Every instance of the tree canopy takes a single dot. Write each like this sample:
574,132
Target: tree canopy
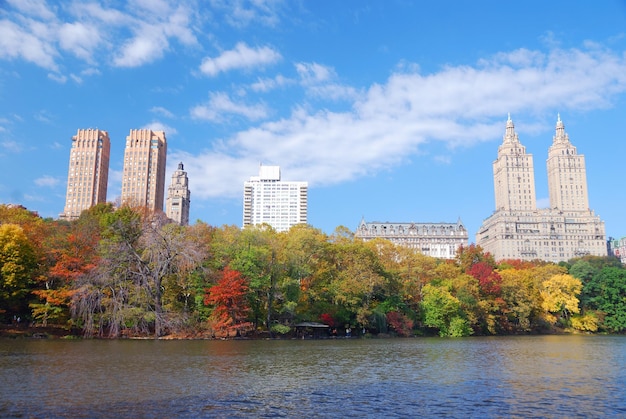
130,272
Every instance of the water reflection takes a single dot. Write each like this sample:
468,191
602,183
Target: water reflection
564,376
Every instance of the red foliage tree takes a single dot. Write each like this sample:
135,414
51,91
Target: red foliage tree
400,323
489,280
327,319
231,308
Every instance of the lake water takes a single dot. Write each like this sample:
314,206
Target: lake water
530,376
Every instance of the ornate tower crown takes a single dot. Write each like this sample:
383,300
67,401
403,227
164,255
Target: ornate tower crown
560,136
510,136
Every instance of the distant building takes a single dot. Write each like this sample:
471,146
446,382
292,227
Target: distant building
178,194
517,229
143,178
617,248
440,240
269,200
88,172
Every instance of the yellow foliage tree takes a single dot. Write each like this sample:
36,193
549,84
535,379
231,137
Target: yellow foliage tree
560,294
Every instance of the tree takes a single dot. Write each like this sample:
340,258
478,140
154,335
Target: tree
560,295
521,295
229,298
400,323
17,266
488,278
257,258
606,293
140,250
359,281
443,311
72,251
468,256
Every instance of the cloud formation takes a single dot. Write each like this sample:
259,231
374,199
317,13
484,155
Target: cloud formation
241,57
220,106
137,33
389,122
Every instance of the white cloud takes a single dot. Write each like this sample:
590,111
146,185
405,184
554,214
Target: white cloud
162,111
390,122
242,57
319,81
80,39
11,146
313,73
59,78
268,84
36,8
47,181
220,106
159,126
17,42
146,47
137,33
241,13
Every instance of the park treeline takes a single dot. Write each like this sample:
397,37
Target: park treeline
128,272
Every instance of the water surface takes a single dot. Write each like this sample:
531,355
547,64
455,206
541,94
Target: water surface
538,376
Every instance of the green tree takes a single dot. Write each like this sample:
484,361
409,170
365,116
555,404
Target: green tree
443,311
606,293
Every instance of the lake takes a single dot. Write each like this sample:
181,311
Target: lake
525,376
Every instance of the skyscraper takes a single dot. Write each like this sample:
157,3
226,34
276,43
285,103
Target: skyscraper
88,172
268,200
567,175
143,178
519,230
513,173
178,194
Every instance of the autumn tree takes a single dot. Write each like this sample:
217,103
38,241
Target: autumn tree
230,304
559,295
302,254
521,294
72,252
139,251
359,280
17,266
257,259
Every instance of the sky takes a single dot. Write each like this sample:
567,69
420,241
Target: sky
391,110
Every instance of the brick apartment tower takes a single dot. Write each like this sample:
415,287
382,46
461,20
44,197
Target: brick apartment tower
88,172
143,178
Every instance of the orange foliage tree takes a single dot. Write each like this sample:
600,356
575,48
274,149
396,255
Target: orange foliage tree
230,305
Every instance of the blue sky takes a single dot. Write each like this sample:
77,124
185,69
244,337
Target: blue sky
391,110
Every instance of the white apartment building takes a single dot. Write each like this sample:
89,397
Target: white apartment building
439,240
518,229
269,200
88,172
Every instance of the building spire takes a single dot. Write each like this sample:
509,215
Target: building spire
510,136
560,135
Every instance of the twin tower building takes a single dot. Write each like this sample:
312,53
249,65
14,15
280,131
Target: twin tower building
518,229
143,176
